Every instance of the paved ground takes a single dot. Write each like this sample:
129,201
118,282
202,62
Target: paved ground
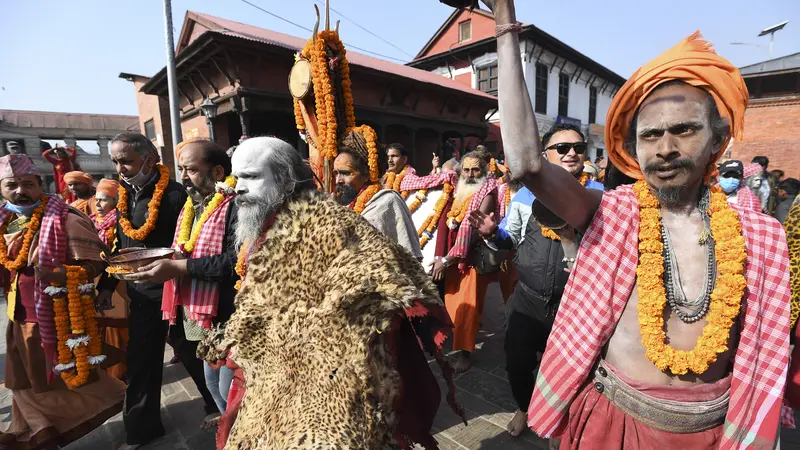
483,391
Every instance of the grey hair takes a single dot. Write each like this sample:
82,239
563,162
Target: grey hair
289,169
720,128
138,142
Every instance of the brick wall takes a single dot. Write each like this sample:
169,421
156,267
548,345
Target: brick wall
772,129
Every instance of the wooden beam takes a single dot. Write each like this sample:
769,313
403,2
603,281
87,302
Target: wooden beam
386,94
231,63
194,85
224,73
208,81
466,113
577,75
589,81
188,99
553,66
416,101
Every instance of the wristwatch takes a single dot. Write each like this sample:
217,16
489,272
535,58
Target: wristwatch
445,261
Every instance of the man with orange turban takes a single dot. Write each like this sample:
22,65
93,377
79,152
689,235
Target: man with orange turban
673,330
80,185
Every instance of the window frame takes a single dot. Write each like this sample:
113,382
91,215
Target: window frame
540,91
491,75
563,94
461,28
592,104
153,123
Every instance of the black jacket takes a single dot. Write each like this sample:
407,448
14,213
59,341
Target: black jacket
541,275
220,268
162,235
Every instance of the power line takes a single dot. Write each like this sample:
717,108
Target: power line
370,32
311,31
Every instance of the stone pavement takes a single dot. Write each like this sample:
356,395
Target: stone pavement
483,391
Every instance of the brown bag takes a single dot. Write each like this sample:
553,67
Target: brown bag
485,260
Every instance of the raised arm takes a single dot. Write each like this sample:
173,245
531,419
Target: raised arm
552,185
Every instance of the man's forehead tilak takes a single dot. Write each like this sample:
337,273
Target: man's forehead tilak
471,163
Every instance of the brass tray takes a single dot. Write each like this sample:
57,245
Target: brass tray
126,264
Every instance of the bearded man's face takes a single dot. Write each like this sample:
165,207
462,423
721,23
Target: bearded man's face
258,194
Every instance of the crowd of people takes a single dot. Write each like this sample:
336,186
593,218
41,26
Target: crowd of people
651,297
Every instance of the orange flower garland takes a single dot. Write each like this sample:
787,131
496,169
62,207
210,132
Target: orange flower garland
142,232
419,197
315,51
395,180
33,226
507,199
76,328
550,234
726,299
241,265
365,196
425,232
372,146
458,212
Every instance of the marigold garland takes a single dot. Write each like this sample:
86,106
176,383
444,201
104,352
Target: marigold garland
372,146
33,226
419,197
426,230
139,234
507,199
365,196
315,51
79,343
241,265
395,180
189,230
550,234
726,299
458,212
492,166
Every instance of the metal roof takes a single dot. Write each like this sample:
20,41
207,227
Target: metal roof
250,32
784,63
74,121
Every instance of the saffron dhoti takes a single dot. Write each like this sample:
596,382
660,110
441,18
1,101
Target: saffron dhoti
464,295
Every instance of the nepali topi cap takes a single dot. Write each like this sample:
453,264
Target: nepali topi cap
17,166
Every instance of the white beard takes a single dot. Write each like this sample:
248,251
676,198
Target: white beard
254,210
464,189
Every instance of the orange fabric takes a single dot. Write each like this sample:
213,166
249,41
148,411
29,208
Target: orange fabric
76,176
692,61
108,187
85,206
463,296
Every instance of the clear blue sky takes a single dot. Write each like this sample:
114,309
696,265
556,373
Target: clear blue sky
66,55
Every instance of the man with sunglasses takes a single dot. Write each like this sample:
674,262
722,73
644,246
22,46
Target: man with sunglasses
541,263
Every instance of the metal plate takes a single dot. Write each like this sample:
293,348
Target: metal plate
136,255
300,79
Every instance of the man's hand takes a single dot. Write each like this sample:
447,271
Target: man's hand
57,275
484,224
102,302
437,273
435,163
159,271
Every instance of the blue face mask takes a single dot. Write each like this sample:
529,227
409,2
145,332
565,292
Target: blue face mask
25,210
729,184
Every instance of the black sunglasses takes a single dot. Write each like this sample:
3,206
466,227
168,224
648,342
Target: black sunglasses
564,147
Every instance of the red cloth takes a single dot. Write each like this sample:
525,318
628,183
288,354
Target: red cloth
60,168
464,237
606,273
199,298
109,221
52,253
235,397
596,424
747,200
414,182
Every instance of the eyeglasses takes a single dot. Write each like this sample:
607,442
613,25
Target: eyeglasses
563,147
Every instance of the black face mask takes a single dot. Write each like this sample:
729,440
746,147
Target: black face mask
345,194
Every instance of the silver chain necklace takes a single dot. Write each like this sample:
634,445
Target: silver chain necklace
690,311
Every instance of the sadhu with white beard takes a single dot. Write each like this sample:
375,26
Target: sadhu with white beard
328,320
465,288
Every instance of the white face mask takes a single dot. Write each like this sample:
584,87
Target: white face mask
140,179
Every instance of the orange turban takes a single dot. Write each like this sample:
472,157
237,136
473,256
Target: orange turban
76,176
108,187
692,61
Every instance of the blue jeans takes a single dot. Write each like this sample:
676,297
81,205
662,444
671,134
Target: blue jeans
218,382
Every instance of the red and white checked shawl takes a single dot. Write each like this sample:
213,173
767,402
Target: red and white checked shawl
414,182
52,249
747,200
109,221
461,247
598,290
199,298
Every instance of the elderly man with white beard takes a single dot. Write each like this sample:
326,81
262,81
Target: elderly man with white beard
329,317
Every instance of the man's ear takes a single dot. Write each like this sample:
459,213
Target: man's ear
218,173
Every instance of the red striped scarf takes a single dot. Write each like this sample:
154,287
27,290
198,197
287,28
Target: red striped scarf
199,298
52,249
605,273
109,221
461,247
